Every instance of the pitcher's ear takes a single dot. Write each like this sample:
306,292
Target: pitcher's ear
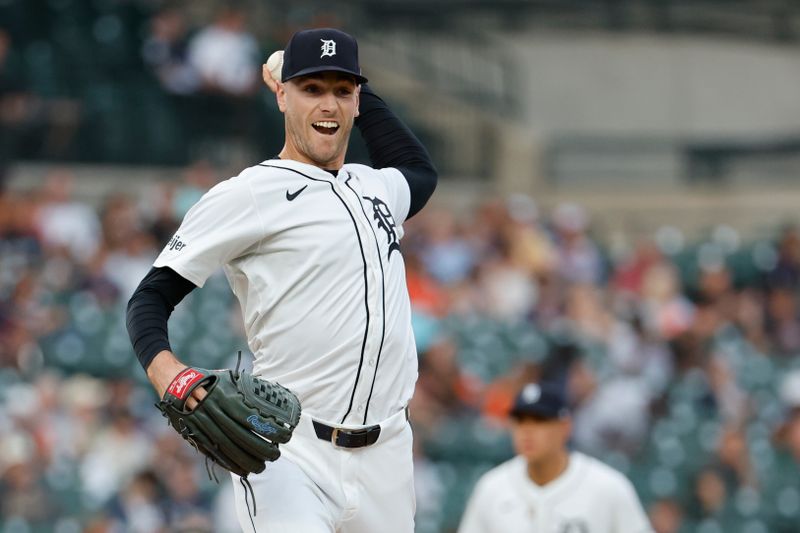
280,96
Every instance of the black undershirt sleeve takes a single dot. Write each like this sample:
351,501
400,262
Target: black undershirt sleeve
391,144
149,309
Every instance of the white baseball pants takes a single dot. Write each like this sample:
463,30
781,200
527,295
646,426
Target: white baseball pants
315,487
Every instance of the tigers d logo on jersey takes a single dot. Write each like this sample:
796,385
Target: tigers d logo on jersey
385,220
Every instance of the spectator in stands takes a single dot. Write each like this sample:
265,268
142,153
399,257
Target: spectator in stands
189,507
507,291
138,508
715,287
64,223
128,250
226,57
751,317
114,458
730,401
443,389
446,253
786,272
734,460
615,417
530,247
83,402
166,52
630,270
225,54
23,492
579,258
666,515
782,322
710,495
666,312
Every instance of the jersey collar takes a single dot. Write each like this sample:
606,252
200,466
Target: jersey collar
305,168
567,479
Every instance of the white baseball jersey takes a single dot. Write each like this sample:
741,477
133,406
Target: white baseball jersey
589,497
314,261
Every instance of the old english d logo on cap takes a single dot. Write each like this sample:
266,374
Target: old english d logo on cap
321,50
328,48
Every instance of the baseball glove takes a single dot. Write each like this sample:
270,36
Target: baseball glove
240,422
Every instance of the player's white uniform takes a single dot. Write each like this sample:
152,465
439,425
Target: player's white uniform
314,261
589,497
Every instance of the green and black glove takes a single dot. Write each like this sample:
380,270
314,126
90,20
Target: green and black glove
241,421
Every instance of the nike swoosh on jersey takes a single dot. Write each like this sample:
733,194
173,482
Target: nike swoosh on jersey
292,196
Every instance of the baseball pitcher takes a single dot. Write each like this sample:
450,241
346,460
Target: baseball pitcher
316,438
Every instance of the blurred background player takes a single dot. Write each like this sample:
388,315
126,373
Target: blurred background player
546,487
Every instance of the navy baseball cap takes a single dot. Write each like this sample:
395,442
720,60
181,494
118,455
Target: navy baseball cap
541,400
321,50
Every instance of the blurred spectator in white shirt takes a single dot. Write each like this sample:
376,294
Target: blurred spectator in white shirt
579,257
114,457
225,54
64,223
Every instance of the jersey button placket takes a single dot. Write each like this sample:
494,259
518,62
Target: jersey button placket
374,286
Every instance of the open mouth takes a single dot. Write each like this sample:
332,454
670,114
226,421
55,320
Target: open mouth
326,127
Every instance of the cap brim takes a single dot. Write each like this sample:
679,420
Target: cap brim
312,70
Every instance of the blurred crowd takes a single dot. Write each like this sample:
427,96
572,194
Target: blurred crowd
680,359
140,81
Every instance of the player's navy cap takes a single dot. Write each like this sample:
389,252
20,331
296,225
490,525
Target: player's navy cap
321,50
543,400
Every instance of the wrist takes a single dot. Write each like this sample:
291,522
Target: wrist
163,369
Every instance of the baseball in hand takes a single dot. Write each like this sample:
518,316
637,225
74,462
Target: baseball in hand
275,65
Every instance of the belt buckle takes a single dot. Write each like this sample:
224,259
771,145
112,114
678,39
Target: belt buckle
335,436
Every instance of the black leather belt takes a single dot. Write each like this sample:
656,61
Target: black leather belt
347,438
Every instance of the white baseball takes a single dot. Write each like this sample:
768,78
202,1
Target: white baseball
275,64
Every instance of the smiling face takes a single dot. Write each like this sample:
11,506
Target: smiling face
319,111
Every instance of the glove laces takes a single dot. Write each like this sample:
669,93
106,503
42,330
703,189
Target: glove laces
238,364
249,488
